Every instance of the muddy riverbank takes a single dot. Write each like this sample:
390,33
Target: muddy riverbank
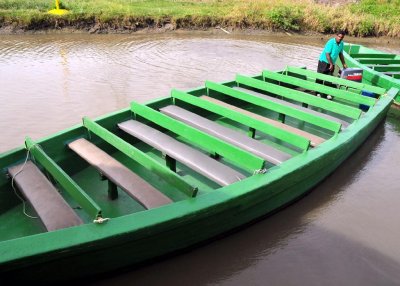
167,29
358,18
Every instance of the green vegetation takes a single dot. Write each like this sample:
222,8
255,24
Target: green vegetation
364,18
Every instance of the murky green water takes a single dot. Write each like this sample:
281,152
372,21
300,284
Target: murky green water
345,232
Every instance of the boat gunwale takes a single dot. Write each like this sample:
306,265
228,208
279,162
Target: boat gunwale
53,245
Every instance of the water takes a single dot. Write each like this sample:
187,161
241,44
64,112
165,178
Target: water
345,232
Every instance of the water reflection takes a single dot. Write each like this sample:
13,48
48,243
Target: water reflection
80,75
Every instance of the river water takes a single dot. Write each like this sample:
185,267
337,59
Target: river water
345,232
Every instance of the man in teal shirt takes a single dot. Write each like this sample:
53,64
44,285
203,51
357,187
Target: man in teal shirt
332,50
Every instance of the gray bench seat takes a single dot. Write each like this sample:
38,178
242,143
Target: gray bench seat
50,206
286,103
314,139
114,171
391,73
233,137
394,66
203,164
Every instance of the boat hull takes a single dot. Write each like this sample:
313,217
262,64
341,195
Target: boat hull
131,240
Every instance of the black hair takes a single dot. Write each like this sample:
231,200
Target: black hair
341,32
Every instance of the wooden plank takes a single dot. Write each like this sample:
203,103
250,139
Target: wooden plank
392,73
290,104
314,139
52,209
339,93
336,80
271,129
226,134
373,55
132,184
205,141
268,103
194,159
63,179
379,61
385,68
396,76
140,157
248,83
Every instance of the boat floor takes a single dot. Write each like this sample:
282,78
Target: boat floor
89,180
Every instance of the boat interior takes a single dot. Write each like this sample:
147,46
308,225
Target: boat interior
386,63
179,147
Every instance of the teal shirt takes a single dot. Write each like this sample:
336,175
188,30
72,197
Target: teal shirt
333,49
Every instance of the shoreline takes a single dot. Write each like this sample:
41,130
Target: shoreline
358,18
10,30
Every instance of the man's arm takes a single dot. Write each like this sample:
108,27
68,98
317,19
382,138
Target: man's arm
342,60
328,57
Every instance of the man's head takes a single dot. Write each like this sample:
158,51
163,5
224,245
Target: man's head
340,36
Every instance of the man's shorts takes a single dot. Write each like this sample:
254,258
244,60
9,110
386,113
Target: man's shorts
323,67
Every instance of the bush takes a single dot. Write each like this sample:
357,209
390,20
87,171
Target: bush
285,18
365,28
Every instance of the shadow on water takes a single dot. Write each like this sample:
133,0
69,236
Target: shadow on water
282,249
394,118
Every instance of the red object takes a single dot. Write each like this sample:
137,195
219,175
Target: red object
355,77
354,74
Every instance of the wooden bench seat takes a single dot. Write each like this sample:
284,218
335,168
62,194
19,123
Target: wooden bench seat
200,162
233,137
50,206
385,67
374,55
392,73
379,61
286,103
314,139
114,171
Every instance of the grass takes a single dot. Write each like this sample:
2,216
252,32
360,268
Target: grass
364,18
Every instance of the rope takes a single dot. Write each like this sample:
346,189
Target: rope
101,220
37,145
15,191
259,171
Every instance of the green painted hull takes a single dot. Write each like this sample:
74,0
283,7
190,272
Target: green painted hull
370,75
134,238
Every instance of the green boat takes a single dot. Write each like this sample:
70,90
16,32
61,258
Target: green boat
379,68
154,179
